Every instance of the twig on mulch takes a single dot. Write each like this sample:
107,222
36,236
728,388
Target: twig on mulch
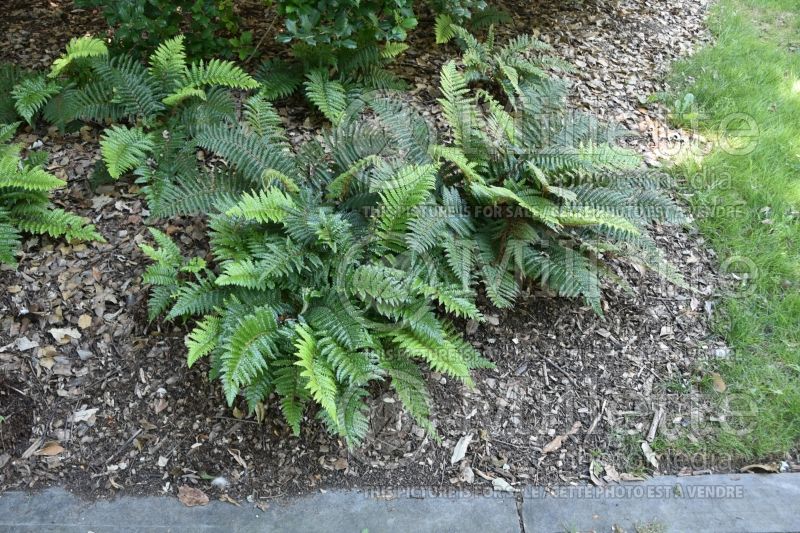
596,421
124,446
564,372
659,414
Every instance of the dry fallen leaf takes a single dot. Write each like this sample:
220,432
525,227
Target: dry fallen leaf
611,473
228,499
650,454
84,415
467,475
718,383
767,468
501,485
190,496
595,469
49,449
64,335
84,321
461,449
556,443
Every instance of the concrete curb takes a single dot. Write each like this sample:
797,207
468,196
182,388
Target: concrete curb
719,503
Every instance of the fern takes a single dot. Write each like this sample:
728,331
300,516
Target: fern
124,149
336,261
217,72
554,205
328,95
202,339
278,79
321,382
168,62
78,48
31,94
247,348
24,201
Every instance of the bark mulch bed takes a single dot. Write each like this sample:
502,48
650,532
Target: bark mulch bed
98,400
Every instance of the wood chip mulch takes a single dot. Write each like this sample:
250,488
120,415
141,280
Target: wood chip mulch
97,400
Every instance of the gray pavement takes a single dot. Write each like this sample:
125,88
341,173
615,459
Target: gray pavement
720,503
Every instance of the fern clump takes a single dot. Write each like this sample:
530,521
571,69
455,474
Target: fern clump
343,77
87,84
509,66
25,200
551,192
327,273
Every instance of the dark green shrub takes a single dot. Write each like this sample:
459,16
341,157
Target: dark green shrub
141,25
323,28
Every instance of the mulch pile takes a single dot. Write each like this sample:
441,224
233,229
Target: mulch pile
98,400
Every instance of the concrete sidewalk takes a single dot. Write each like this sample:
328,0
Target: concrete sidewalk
723,503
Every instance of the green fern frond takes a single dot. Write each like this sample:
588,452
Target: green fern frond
203,339
250,154
27,178
134,90
43,219
243,273
391,50
328,95
247,349
124,149
401,197
31,94
443,28
385,284
217,72
184,93
278,79
566,271
197,298
352,415
78,48
9,243
168,63
289,385
321,382
271,205
7,131
410,387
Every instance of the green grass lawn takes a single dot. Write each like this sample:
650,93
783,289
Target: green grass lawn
748,206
